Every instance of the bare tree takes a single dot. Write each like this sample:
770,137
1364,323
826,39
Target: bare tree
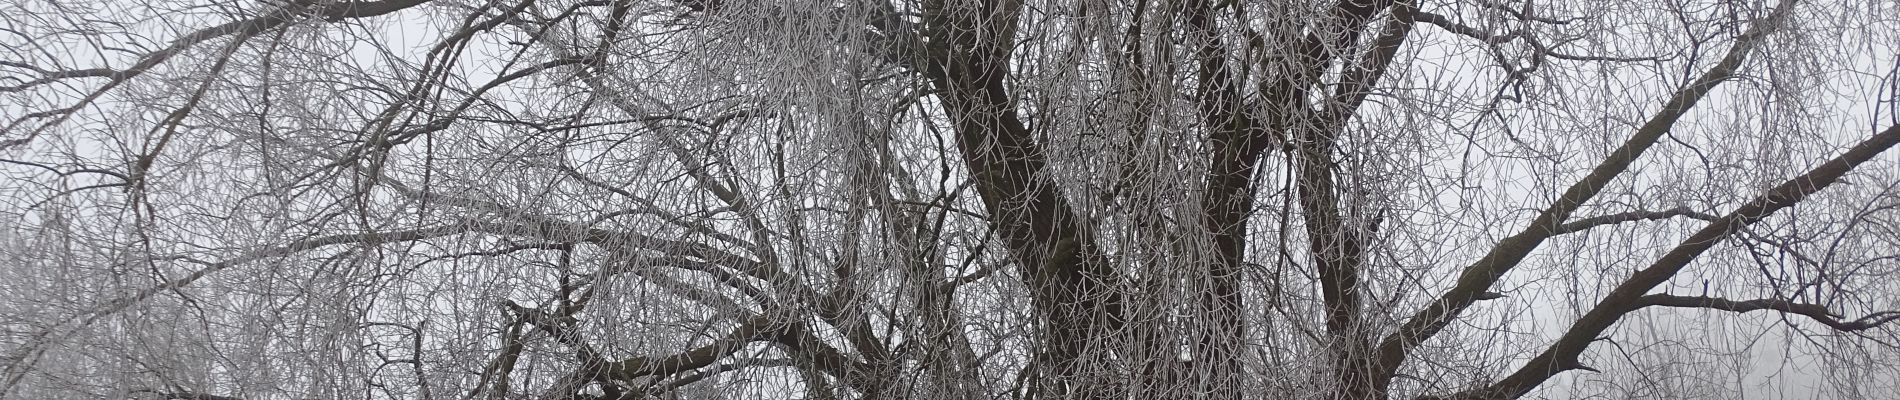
956,199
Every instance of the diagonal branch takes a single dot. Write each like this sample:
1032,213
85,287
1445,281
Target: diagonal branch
1357,83
757,328
735,365
1563,355
1071,282
1479,276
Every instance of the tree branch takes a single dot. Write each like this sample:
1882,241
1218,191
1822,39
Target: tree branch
1493,38
759,327
735,365
756,328
162,395
252,26
1816,312
1069,278
1632,216
1563,355
1479,276
24,358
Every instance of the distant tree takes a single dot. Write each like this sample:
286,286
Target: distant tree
951,199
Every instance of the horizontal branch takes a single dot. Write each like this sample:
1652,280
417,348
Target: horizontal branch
795,336
1494,38
185,395
55,76
562,231
1526,15
1632,216
1443,22
1816,312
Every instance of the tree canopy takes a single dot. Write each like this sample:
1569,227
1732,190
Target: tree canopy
954,199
